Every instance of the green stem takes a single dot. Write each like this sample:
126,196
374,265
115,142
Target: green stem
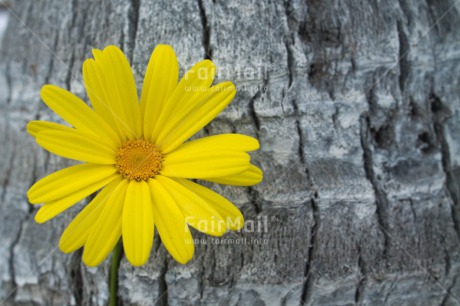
113,278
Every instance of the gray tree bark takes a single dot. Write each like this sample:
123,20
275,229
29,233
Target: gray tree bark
356,106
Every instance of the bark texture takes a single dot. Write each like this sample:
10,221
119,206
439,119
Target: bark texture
355,103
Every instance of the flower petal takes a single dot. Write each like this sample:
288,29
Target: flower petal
198,212
36,126
226,209
73,110
194,84
137,223
76,234
77,145
160,80
190,163
170,223
214,101
120,93
67,181
234,142
53,208
96,88
250,177
107,229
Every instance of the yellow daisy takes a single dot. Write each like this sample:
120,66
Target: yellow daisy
136,155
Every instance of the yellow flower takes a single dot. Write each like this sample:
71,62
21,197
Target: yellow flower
134,153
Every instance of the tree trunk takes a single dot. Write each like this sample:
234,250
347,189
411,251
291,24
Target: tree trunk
356,106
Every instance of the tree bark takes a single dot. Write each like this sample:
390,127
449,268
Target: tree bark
356,106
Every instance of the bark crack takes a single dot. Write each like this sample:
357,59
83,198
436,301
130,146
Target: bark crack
51,64
380,196
440,115
312,247
253,193
69,70
76,276
412,208
252,110
201,282
390,290
163,285
359,293
290,62
9,85
206,40
73,9
133,17
448,295
301,142
255,200
309,279
335,117
403,58
447,260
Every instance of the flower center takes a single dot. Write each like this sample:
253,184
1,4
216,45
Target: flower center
138,160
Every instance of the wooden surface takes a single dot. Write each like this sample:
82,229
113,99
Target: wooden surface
356,106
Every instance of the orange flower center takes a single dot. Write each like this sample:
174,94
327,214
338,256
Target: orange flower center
138,160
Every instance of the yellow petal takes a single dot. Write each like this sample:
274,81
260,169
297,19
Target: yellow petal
226,209
97,54
159,82
191,87
170,223
67,181
198,212
250,177
97,90
201,164
73,110
107,229
53,208
137,223
214,101
115,75
76,234
36,126
234,142
77,145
